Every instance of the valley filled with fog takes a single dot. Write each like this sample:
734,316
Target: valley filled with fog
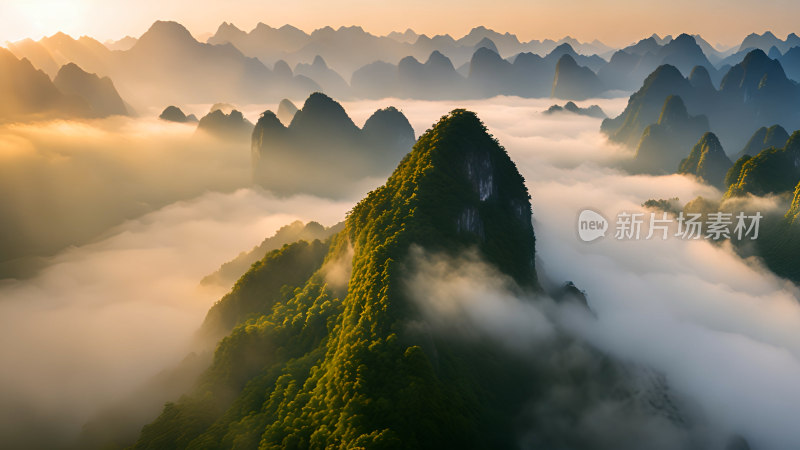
163,208
284,238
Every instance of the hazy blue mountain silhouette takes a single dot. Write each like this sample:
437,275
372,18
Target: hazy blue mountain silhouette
768,40
629,66
753,93
665,143
323,152
488,43
763,138
790,61
575,82
645,105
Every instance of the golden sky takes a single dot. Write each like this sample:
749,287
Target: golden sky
616,22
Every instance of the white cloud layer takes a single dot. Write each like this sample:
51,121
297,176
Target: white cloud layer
102,317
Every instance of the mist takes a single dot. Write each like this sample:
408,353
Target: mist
102,319
128,215
721,329
66,182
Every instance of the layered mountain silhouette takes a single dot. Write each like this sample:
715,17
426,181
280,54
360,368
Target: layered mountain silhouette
575,82
226,126
707,161
435,79
407,37
753,93
154,68
263,42
768,40
168,57
486,74
286,111
29,94
121,44
322,148
630,65
757,75
490,74
174,114
763,138
487,43
645,105
790,61
51,53
336,45
571,107
168,65
331,82
665,142
99,93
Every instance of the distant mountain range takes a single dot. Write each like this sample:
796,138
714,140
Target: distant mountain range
767,40
230,125
749,115
322,151
572,108
295,46
167,65
29,93
752,94
485,75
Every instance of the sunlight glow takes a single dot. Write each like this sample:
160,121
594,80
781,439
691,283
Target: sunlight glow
36,18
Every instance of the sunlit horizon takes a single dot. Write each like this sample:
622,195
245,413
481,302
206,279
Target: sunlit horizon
539,20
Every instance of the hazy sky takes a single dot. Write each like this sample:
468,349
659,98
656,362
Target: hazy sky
616,22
